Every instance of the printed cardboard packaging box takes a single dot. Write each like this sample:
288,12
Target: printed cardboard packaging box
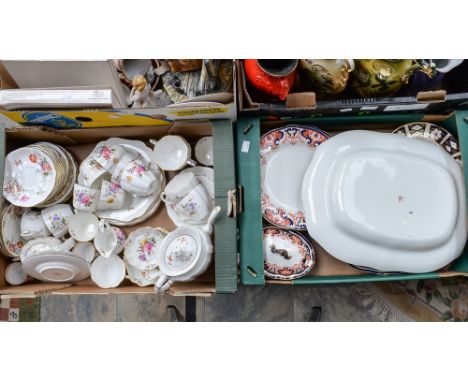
328,269
221,277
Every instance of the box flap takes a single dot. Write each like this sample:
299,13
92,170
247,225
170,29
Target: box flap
32,290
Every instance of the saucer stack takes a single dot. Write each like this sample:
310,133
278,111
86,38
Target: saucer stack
11,241
39,175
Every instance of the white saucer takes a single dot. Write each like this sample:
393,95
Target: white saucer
385,201
56,266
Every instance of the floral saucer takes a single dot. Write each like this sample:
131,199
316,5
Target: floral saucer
285,154
11,230
288,255
141,247
29,177
434,133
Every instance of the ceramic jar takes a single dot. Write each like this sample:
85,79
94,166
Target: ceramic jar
382,78
272,77
327,76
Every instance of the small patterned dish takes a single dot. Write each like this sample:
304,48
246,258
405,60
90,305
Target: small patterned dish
288,255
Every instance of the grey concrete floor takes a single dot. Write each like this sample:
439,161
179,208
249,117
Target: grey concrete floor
268,303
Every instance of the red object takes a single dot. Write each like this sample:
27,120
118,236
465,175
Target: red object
278,87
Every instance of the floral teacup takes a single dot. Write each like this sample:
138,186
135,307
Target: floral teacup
108,155
57,218
112,196
139,179
118,169
109,240
85,198
195,206
32,225
92,173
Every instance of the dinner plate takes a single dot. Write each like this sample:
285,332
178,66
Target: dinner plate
288,255
56,266
386,202
285,154
205,175
29,177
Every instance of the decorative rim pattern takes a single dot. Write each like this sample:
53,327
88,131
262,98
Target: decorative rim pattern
295,270
433,133
291,134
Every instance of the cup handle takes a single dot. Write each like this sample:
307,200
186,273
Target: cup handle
153,141
192,163
103,224
67,244
26,234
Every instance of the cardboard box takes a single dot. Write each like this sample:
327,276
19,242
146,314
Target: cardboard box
306,104
328,269
220,277
43,74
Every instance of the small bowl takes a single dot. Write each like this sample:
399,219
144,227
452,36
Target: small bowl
204,151
83,226
108,272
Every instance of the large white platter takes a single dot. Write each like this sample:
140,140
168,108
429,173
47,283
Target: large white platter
386,202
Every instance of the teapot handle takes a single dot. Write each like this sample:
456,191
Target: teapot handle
163,284
208,227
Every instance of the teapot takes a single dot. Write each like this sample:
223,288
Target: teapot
383,78
185,253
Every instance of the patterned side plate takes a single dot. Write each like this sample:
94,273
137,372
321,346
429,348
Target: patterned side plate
285,154
287,254
141,248
434,133
29,177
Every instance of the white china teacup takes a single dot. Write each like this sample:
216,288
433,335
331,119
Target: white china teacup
15,275
139,179
57,219
109,240
83,226
108,155
108,272
118,169
85,250
32,225
179,187
85,198
92,173
195,206
112,196
172,153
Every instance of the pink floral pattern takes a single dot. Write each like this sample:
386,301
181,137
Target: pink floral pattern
294,270
145,248
291,134
107,152
84,198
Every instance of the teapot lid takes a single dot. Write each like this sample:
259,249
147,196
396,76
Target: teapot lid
180,251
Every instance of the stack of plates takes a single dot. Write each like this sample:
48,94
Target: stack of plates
11,241
39,175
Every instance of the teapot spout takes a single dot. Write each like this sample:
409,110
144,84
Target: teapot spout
208,227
